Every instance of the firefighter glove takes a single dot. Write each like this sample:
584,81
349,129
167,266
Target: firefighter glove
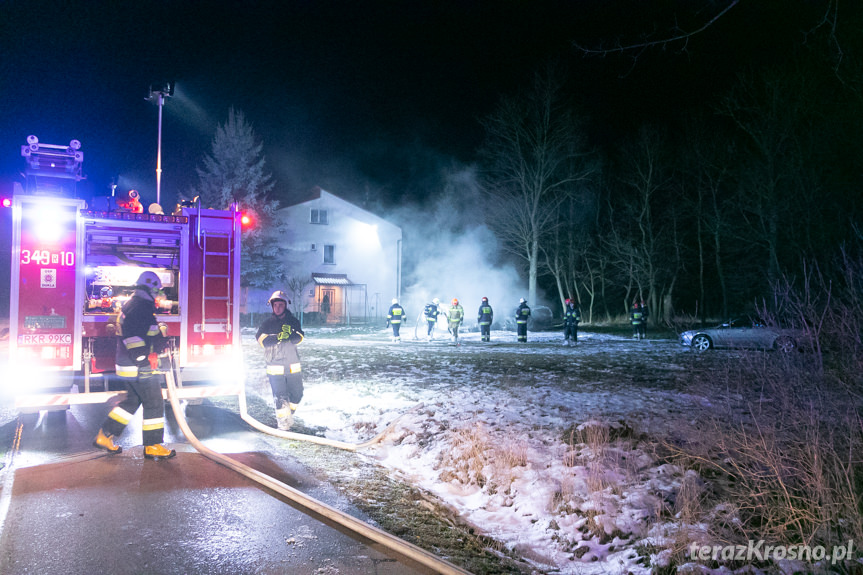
285,333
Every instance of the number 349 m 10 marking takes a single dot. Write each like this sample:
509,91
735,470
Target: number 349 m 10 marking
45,257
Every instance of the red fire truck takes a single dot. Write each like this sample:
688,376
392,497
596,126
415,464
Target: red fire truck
74,265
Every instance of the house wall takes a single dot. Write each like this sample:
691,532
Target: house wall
366,249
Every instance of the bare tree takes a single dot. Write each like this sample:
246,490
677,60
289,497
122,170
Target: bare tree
534,155
770,112
643,233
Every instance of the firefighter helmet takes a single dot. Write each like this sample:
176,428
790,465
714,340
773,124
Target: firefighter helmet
395,300
522,300
106,291
436,301
485,299
278,295
455,301
149,282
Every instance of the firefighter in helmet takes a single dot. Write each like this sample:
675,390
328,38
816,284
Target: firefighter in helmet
394,319
139,337
431,313
455,317
485,317
521,315
279,335
638,319
571,319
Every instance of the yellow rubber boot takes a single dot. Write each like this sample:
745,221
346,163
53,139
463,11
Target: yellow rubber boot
106,442
158,451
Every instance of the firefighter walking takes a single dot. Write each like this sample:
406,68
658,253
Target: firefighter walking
485,317
571,318
139,336
638,319
521,316
431,313
394,319
455,317
279,335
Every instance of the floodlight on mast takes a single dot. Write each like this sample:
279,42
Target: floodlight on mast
158,93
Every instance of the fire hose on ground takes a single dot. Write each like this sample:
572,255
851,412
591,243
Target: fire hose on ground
390,542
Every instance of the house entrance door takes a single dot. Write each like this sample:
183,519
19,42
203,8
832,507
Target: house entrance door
328,298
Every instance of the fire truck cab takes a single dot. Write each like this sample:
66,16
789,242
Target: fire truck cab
73,267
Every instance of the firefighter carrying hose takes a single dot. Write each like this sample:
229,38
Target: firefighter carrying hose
139,336
431,313
279,335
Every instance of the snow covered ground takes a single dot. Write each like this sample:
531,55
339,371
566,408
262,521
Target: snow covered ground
535,444
553,451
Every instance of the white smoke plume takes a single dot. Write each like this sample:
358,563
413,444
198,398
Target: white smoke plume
449,252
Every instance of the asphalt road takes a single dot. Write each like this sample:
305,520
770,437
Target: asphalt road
68,508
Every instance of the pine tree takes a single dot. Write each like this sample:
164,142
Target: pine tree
235,173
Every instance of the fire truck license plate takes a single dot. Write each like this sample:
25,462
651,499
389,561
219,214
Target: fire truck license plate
45,338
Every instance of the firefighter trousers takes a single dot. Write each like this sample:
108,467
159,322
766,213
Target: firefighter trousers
287,386
146,390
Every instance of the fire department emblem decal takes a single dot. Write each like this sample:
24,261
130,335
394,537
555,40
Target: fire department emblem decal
49,278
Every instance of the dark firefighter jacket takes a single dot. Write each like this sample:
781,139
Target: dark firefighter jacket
431,312
284,351
522,313
395,314
485,315
138,336
571,316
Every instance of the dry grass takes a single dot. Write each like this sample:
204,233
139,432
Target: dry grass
477,458
785,456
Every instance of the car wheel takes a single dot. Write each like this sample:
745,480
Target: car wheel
785,344
701,342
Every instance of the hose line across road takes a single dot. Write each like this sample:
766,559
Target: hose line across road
389,544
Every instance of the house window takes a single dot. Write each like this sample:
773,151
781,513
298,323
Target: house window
329,254
319,217
314,247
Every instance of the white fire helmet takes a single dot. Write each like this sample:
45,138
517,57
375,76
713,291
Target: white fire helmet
522,300
395,300
278,294
436,301
149,282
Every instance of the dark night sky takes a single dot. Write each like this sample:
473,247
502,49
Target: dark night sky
345,93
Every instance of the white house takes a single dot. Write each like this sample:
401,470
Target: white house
352,257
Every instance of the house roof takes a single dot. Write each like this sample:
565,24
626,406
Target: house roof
352,210
332,279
